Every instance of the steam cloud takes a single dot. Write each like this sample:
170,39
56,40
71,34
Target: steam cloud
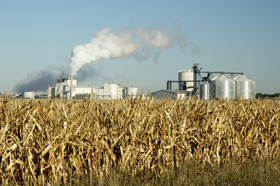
137,42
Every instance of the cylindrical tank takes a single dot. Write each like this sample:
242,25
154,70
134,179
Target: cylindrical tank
28,94
184,76
204,90
244,87
224,87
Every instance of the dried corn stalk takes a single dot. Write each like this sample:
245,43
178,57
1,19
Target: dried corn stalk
55,140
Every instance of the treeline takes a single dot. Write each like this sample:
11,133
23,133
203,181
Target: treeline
262,96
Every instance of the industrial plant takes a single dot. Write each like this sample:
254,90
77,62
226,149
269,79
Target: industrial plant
205,84
68,89
210,85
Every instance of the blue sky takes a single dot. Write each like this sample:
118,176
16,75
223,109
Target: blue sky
242,36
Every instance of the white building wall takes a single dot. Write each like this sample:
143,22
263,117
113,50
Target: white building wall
120,93
28,94
84,90
100,93
51,91
132,91
112,91
107,89
63,90
72,82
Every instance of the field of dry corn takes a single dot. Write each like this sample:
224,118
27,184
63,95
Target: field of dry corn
51,141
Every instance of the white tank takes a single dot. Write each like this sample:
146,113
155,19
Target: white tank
224,87
244,87
28,94
183,76
204,90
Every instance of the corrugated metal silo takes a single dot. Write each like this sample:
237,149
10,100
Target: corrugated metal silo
244,87
204,90
224,87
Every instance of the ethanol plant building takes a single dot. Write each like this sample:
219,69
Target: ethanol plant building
68,89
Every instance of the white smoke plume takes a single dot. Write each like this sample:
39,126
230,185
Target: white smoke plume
136,42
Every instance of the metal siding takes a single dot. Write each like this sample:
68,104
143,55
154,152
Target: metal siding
244,87
224,87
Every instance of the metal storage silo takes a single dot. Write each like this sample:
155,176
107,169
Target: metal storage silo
224,87
184,76
204,90
244,87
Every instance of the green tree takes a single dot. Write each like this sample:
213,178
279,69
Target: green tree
259,96
277,95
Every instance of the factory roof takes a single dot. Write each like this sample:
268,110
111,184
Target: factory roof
172,91
169,94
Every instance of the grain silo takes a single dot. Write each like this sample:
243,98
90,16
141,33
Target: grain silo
201,83
223,87
244,87
204,90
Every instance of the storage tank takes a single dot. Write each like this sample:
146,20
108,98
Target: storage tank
204,90
184,76
224,87
28,94
244,87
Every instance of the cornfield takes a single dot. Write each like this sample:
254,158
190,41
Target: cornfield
52,141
